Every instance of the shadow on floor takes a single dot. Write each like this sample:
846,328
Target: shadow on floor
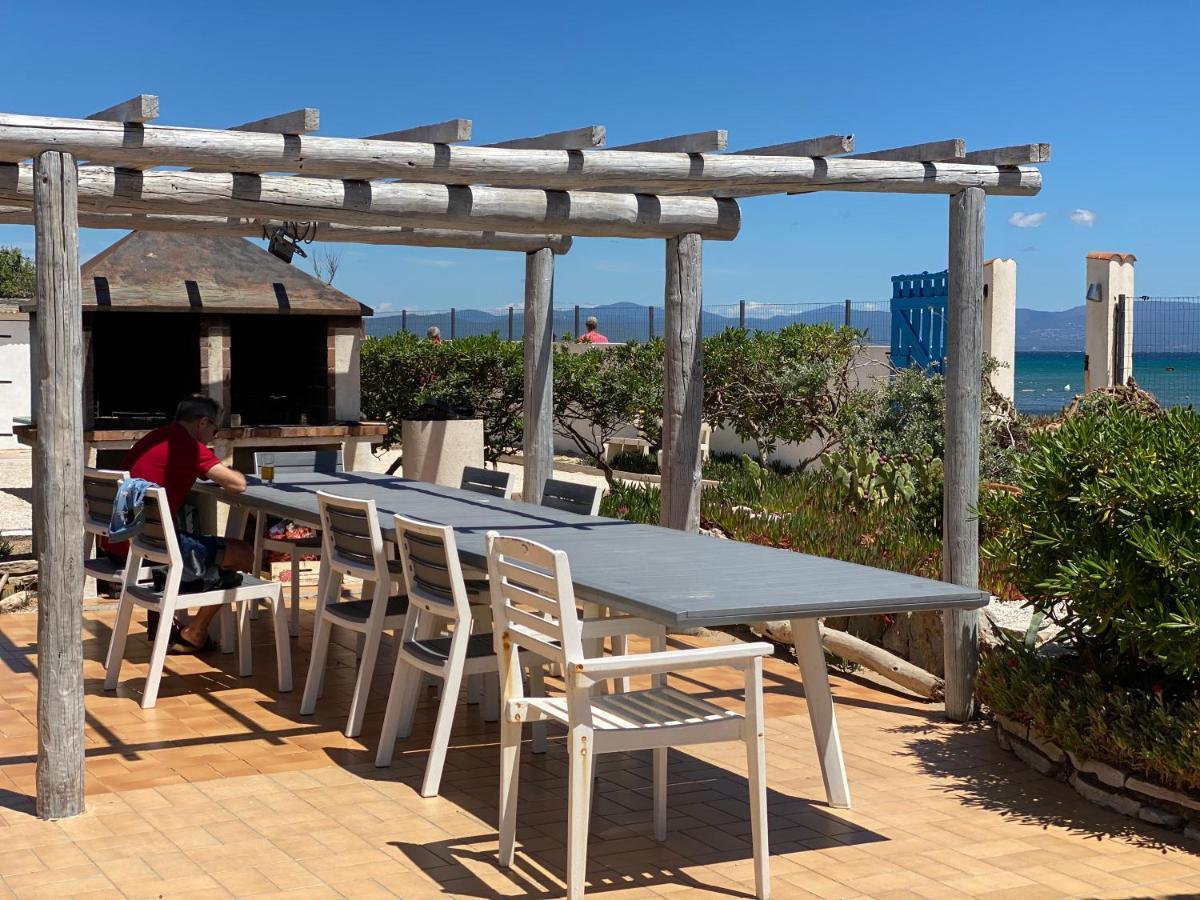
970,765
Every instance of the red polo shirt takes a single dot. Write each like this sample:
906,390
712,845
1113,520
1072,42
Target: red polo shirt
168,456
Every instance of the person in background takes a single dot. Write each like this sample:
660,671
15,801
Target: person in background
592,336
174,456
433,334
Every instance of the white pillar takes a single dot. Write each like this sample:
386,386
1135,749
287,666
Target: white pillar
1112,275
1000,322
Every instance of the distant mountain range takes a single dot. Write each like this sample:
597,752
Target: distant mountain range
1162,326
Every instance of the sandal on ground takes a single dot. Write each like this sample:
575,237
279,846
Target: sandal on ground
181,646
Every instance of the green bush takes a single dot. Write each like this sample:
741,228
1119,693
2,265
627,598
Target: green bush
784,386
1104,539
400,373
1140,723
18,275
600,391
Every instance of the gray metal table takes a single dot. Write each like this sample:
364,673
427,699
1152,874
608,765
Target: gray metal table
678,579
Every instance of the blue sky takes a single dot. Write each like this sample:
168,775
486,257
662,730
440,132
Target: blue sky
1113,86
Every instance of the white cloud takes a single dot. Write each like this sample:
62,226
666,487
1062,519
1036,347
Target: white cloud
1084,217
434,263
1027,220
383,307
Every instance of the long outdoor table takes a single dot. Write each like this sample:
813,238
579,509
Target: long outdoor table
678,579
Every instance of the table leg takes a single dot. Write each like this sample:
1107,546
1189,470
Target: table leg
235,528
807,637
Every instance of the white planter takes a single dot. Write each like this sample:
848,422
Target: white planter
437,452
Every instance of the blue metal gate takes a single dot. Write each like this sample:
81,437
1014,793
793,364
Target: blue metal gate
919,321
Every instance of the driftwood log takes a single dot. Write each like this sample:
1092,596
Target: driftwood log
867,655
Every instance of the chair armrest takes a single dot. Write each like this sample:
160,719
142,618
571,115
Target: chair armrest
610,626
734,655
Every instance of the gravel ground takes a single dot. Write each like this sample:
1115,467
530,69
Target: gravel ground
16,489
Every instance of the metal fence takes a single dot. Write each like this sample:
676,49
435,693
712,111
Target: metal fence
622,322
1166,348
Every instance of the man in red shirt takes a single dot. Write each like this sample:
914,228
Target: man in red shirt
174,456
592,336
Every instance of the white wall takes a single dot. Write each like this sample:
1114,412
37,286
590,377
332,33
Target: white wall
14,374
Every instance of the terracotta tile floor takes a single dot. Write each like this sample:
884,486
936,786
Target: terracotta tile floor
224,789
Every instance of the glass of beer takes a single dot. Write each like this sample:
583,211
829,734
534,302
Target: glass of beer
268,472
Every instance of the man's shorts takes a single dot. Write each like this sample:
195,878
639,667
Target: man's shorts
201,551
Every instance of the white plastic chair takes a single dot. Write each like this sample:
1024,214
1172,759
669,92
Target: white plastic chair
157,543
292,461
353,545
437,600
534,610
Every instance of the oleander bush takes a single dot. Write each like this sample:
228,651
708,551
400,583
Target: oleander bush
401,373
1103,539
1103,536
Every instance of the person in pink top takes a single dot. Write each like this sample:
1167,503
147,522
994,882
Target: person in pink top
592,336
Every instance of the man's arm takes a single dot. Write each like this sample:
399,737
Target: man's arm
230,479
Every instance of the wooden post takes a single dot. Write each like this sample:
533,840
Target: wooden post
684,385
964,373
650,323
404,320
742,314
1118,350
539,373
452,323
510,323
577,329
849,313
58,491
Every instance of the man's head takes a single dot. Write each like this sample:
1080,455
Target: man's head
592,323
433,333
200,415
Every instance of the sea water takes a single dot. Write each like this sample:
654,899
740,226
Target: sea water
1047,381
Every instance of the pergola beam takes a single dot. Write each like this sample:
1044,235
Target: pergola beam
828,145
952,150
587,138
21,137
699,142
298,121
452,131
106,190
328,232
1017,155
135,111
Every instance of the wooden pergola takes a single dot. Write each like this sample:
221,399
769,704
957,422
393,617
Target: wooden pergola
425,186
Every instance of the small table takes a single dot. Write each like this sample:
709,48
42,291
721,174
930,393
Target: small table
675,578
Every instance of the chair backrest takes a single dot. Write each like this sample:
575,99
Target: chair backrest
533,602
352,542
486,481
433,576
300,462
99,494
572,497
156,541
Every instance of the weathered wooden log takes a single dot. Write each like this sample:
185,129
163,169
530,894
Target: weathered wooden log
136,110
585,138
539,374
684,392
698,142
953,149
863,653
827,145
57,492
449,132
156,145
329,232
883,663
106,190
964,374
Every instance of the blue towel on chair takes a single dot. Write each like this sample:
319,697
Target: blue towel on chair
128,515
